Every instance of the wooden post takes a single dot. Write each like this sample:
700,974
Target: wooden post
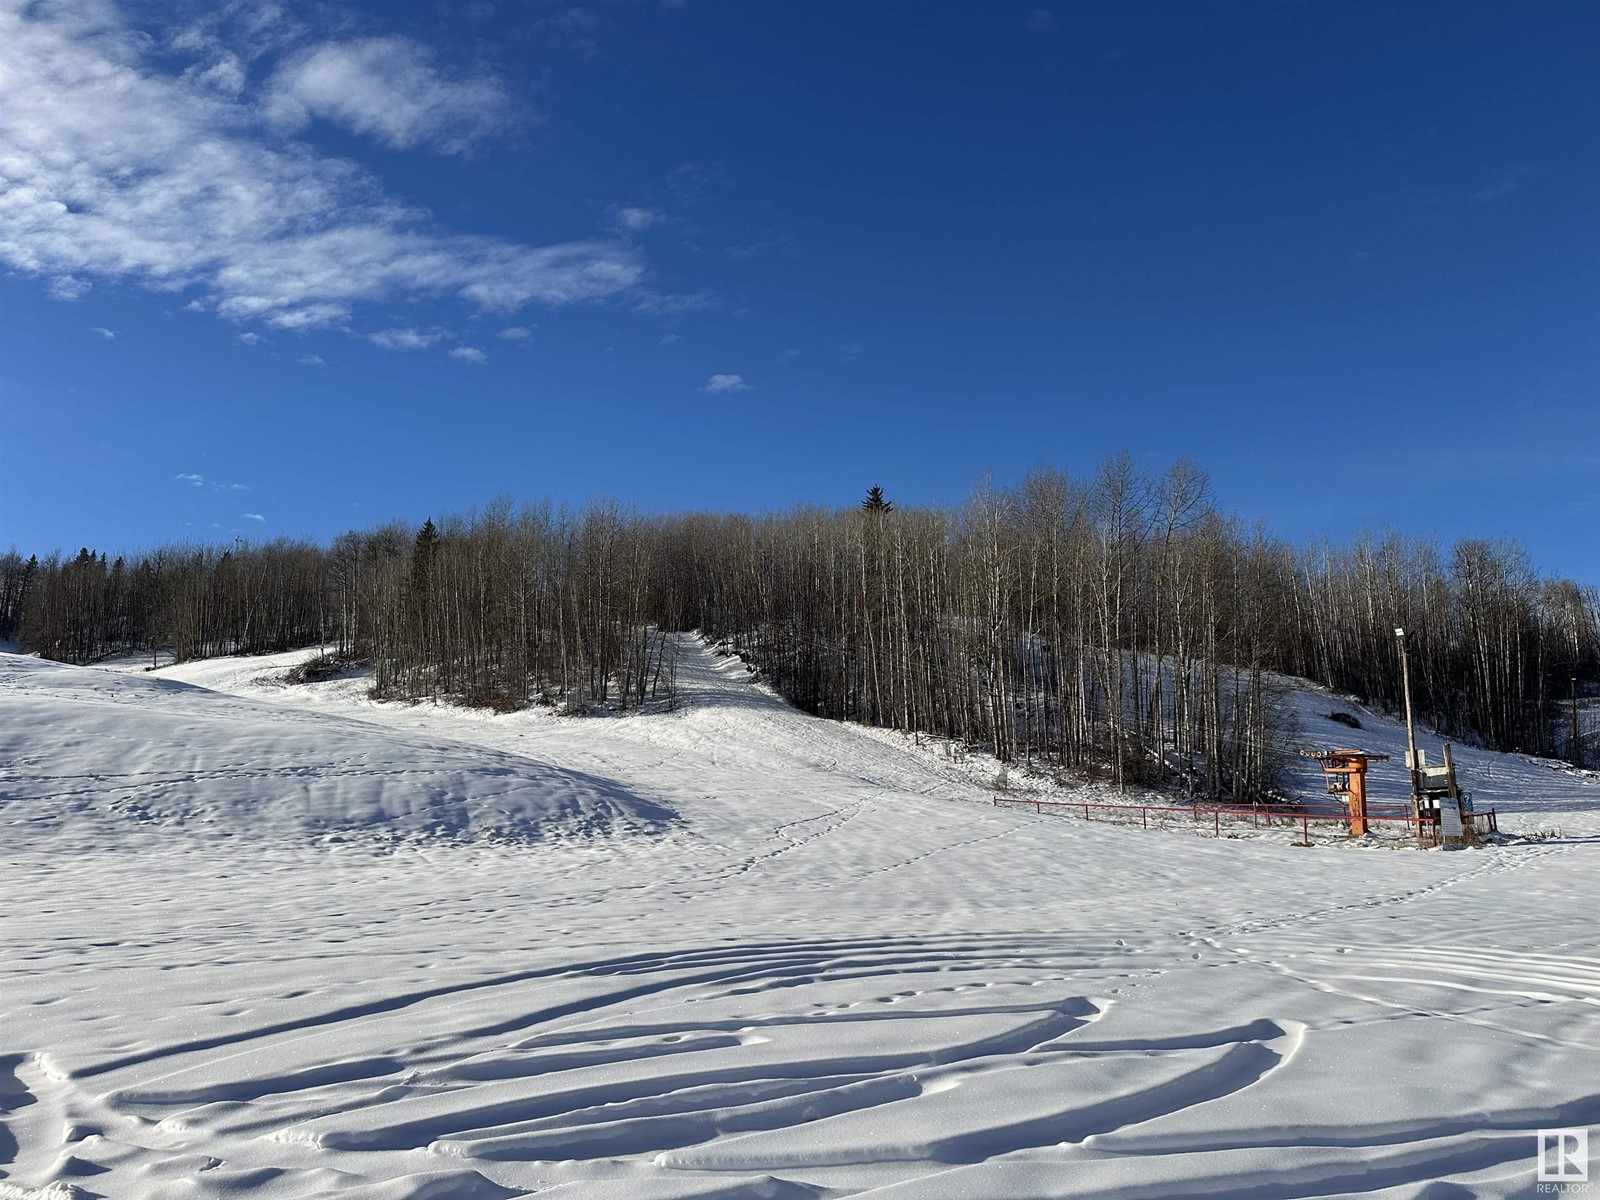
1357,801
1454,797
1411,736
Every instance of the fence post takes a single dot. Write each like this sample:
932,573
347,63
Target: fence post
1305,828
1216,822
1038,808
1144,815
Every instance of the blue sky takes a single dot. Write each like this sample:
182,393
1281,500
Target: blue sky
285,270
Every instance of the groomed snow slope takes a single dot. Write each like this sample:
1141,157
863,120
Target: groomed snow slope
734,951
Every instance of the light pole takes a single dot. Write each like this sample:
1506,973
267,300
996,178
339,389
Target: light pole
1411,736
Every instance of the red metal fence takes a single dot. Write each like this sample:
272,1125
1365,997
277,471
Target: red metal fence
1259,816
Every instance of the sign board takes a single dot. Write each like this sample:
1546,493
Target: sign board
1450,822
1434,779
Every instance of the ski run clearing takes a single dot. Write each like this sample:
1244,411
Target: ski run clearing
281,941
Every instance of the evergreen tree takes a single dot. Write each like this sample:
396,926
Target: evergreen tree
875,503
422,552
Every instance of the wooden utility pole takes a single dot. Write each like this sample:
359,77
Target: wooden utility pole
1411,737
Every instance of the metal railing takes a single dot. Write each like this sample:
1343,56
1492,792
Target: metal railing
1259,816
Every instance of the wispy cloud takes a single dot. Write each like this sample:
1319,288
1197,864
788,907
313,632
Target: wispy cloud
194,479
691,182
69,288
406,339
669,339
248,339
469,354
1040,20
389,89
312,360
576,27
635,219
515,334
252,516
779,245
1510,181
720,385
110,335
669,304
117,168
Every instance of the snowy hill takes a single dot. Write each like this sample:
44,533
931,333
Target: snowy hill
93,750
736,951
1529,792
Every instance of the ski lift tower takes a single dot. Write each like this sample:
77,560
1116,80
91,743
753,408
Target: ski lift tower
1346,774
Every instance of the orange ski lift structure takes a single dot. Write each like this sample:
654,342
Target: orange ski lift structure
1346,775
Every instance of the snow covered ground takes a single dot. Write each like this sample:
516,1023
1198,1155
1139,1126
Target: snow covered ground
284,942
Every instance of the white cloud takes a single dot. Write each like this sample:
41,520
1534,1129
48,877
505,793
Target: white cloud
196,480
515,334
388,88
669,339
111,168
779,245
225,74
249,339
669,304
636,220
252,516
469,354
312,360
109,334
224,36
719,385
405,339
67,287
1511,180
